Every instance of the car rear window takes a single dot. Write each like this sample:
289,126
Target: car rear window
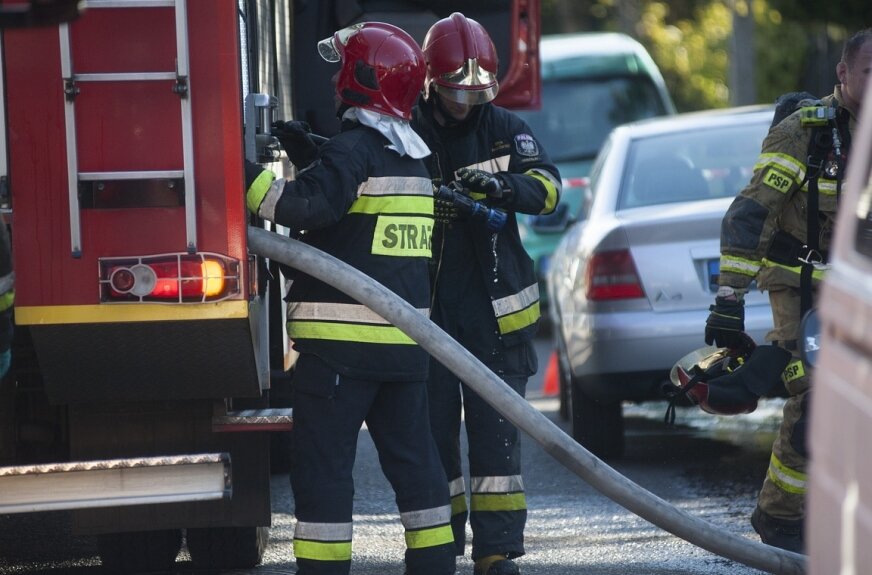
691,165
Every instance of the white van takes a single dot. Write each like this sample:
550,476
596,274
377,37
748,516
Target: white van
839,507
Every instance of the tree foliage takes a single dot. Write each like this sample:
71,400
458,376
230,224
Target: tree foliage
690,40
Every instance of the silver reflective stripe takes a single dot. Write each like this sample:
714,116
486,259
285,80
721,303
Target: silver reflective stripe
391,185
7,282
343,312
267,208
323,531
513,303
497,484
426,517
493,165
456,487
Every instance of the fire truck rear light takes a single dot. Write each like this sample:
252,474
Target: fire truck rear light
169,278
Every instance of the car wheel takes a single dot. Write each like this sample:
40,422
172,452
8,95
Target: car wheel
227,547
139,551
597,426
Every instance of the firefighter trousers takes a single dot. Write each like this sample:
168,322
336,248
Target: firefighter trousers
783,492
329,411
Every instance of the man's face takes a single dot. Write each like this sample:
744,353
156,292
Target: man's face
855,76
458,112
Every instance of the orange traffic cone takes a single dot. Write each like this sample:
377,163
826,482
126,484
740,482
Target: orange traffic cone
550,384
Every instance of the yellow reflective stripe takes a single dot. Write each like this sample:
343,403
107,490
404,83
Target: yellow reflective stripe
793,371
392,205
789,480
739,265
7,299
430,537
552,188
519,320
135,312
458,504
320,551
777,180
402,236
787,165
258,189
498,501
817,274
347,332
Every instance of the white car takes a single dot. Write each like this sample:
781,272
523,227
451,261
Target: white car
631,284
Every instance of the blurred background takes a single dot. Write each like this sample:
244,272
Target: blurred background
718,53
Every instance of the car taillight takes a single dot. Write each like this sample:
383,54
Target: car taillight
170,278
611,276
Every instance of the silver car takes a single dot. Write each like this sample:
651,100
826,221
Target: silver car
632,282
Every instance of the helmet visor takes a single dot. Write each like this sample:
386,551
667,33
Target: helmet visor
470,84
467,95
329,48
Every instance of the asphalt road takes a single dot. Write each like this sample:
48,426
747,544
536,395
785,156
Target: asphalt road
710,468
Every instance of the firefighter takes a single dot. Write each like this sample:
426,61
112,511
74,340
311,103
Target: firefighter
364,197
485,291
778,231
7,298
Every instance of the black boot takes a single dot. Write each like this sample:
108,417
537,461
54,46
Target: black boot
784,533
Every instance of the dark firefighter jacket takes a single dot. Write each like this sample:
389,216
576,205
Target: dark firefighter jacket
373,209
502,144
776,200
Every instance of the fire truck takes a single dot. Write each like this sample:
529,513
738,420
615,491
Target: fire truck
150,362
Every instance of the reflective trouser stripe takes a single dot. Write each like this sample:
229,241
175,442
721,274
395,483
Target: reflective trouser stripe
786,479
430,537
457,490
428,527
502,502
322,551
505,493
348,332
323,541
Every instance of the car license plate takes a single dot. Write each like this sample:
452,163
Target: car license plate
714,271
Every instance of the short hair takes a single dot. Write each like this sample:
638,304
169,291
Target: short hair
853,45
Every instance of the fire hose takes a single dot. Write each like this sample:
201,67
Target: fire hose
516,409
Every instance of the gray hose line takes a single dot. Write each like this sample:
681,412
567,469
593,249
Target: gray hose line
514,408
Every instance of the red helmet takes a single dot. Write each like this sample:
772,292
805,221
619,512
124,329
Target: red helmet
382,70
461,61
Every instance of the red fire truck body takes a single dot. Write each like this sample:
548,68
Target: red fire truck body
148,338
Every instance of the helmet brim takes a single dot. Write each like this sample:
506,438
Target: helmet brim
467,96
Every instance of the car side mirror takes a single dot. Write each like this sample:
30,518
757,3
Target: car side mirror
810,337
554,223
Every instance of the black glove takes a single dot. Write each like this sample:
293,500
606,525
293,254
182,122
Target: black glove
725,325
483,183
296,141
252,171
760,376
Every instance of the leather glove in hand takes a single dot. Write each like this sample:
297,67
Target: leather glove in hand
482,182
296,142
725,325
